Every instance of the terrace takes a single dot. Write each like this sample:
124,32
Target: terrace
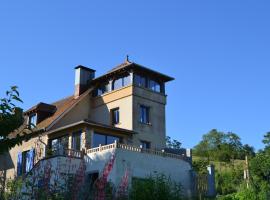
116,145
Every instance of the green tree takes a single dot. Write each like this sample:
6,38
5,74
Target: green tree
266,140
220,146
171,143
11,118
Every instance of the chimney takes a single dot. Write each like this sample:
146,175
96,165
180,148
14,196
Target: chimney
83,75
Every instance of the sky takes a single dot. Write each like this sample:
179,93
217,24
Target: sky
217,51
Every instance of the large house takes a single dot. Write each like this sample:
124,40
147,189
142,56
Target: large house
120,114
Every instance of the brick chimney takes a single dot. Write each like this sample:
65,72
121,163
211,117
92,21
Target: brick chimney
83,75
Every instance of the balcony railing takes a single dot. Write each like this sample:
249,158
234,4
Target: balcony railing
65,152
117,145
80,154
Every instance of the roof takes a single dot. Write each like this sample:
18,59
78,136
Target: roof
136,67
95,124
61,106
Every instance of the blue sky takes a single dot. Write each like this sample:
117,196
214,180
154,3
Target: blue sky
218,52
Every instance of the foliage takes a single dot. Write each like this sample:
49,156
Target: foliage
13,189
223,147
266,139
11,118
172,143
227,182
200,166
158,187
232,187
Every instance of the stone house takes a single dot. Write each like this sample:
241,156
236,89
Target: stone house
120,113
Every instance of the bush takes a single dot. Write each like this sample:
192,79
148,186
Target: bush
157,187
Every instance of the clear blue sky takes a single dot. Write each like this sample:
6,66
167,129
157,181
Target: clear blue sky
218,51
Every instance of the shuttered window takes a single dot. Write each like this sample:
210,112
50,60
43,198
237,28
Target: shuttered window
25,161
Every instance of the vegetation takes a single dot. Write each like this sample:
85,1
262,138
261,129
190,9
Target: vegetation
11,118
157,187
171,143
223,147
226,151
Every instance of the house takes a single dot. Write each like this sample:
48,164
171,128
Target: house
118,117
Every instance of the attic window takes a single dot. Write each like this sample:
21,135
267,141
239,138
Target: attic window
32,121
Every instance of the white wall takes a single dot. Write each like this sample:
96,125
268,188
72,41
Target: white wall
141,165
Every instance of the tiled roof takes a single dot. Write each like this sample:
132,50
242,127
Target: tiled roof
61,106
132,65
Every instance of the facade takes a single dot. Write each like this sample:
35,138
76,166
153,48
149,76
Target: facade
119,114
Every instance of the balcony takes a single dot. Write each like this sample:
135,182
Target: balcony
116,145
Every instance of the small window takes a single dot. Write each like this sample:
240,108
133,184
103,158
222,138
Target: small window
32,122
115,116
126,80
155,86
102,89
76,140
140,81
121,82
144,114
59,145
145,145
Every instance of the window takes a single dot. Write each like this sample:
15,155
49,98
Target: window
76,140
121,82
155,86
118,83
126,81
144,114
32,121
59,145
102,89
25,162
145,145
140,80
100,139
115,116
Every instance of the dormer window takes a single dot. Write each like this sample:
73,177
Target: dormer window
32,120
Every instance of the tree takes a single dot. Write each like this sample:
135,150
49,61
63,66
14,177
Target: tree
220,146
247,150
173,144
266,140
11,118
211,145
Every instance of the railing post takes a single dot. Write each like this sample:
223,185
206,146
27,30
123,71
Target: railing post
99,147
115,143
